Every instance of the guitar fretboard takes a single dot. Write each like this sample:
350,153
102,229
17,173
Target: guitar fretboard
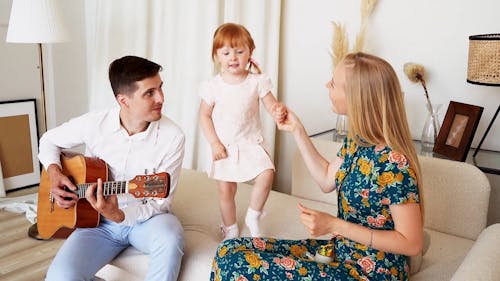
108,188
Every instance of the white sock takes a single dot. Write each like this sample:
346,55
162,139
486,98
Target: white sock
252,222
230,232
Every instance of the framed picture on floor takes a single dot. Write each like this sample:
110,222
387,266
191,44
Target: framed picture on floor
19,144
458,129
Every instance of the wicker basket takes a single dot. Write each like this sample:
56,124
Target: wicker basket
484,59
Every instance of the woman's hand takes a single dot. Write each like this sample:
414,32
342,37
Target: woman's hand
218,151
291,122
317,223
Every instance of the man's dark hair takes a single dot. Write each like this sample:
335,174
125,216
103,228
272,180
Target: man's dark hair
125,71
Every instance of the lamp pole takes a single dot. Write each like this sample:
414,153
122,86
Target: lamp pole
42,82
487,131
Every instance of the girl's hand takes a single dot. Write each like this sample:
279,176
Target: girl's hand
290,123
279,112
317,223
218,151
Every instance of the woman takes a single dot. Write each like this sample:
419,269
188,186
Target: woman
377,177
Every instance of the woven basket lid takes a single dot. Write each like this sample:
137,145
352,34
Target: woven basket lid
484,59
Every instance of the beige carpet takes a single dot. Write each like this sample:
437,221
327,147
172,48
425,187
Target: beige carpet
21,257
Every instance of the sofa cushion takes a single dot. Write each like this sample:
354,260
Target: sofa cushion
416,261
464,185
197,207
443,257
477,263
303,184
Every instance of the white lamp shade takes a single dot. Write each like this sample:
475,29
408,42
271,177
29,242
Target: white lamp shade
35,21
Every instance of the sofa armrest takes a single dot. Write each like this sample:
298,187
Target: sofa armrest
303,185
481,263
454,192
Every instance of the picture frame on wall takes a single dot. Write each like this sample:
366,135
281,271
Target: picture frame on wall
457,131
19,144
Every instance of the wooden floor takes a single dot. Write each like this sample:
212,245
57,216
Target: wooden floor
21,257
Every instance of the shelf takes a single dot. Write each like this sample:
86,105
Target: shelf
487,161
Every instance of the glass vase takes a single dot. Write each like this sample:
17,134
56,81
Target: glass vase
341,128
431,128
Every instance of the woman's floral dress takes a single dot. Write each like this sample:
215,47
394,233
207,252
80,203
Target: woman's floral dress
369,180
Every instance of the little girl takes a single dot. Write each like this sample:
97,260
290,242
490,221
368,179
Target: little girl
229,118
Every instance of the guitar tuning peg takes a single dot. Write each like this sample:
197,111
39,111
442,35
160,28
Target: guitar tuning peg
154,170
145,171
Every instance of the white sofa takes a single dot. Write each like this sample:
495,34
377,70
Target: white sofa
456,204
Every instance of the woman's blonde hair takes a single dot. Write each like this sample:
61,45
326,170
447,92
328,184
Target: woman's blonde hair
376,109
233,35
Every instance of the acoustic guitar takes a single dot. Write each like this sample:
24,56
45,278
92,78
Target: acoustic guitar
56,222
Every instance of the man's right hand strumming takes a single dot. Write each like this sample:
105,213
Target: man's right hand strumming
59,182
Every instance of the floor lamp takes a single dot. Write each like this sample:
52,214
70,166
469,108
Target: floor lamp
484,67
36,22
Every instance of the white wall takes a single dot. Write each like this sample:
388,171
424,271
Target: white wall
432,33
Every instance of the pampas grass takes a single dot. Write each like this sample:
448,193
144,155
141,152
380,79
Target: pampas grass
416,74
340,43
367,7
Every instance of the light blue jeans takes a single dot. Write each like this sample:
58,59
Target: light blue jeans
88,249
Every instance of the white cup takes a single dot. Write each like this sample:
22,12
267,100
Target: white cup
322,259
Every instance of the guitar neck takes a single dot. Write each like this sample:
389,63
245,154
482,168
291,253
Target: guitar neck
108,188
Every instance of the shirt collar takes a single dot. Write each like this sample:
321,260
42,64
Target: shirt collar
116,126
151,130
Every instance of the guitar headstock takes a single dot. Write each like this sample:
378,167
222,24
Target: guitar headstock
155,185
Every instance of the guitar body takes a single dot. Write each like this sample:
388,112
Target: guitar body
56,222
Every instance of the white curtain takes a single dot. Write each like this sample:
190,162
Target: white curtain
178,35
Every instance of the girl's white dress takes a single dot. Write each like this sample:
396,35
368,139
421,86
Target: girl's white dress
237,123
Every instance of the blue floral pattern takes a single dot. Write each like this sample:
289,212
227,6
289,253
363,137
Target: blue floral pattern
370,179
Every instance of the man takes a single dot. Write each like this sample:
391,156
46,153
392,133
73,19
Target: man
131,138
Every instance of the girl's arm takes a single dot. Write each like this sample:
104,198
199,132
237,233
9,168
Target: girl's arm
322,171
276,109
207,126
406,238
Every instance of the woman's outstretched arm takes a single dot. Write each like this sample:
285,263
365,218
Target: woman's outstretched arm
322,171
